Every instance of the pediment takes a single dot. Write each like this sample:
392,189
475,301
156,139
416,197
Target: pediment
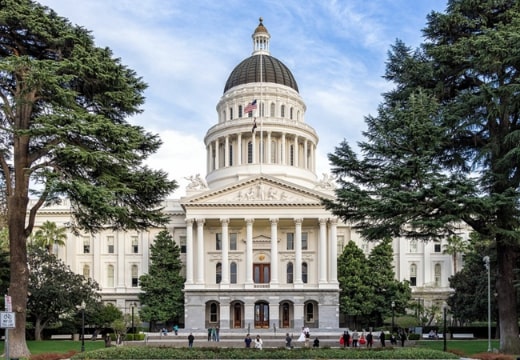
258,191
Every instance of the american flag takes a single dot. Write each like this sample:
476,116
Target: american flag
250,107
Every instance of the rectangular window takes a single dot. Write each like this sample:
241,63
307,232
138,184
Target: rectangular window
135,244
182,241
135,276
86,245
413,281
233,241
110,244
437,247
305,242
218,241
340,243
290,241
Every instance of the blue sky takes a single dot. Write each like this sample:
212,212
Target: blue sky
186,49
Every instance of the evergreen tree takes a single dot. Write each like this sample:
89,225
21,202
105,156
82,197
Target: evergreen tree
443,148
386,289
63,109
161,296
353,276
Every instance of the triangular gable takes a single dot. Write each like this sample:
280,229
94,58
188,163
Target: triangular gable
261,190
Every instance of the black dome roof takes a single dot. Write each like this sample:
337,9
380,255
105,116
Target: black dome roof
273,71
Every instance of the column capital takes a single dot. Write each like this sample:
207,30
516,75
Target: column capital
201,221
323,220
274,221
298,221
249,220
189,221
224,221
333,220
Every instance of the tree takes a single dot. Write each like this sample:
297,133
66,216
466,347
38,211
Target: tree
63,109
442,149
467,303
55,290
161,296
386,289
50,235
455,246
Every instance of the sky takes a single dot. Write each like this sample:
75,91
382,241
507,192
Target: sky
185,50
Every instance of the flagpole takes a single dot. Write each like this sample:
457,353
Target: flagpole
260,111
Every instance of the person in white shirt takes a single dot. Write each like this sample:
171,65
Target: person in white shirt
258,342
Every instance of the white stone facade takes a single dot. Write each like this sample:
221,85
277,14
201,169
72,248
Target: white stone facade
259,248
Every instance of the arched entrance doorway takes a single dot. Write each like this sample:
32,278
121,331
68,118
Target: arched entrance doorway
237,311
262,315
286,311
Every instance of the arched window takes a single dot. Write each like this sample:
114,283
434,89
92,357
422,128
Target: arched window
289,273
135,276
291,155
213,313
272,110
413,275
309,312
218,273
233,272
110,276
230,154
240,113
249,152
291,113
305,276
282,111
438,273
413,246
230,113
86,271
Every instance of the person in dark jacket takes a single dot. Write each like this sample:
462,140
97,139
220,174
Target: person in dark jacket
382,338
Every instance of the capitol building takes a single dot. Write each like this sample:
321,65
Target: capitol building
259,248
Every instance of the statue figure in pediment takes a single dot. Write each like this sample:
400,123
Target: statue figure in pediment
326,182
271,194
250,195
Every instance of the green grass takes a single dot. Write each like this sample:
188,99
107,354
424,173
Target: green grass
468,347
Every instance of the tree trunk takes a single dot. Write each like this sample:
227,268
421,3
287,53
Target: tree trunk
19,277
37,329
506,298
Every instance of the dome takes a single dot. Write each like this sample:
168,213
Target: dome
273,71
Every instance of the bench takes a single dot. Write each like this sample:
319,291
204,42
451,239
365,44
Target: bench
61,337
427,337
462,336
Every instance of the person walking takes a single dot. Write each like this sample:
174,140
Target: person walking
248,341
355,338
191,338
346,339
258,342
382,338
370,339
402,336
209,334
217,333
288,341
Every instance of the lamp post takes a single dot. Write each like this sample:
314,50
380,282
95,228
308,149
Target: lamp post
133,329
393,307
486,264
444,331
82,307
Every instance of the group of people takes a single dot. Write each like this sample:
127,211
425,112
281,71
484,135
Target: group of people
258,343
356,339
214,333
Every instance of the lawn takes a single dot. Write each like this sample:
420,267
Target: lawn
468,347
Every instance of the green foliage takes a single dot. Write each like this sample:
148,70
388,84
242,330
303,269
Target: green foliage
49,235
64,105
469,301
161,294
102,315
149,352
368,286
443,148
55,290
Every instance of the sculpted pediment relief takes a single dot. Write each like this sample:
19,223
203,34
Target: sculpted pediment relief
259,191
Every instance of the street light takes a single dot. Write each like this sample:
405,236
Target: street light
82,307
133,329
393,307
486,264
444,331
